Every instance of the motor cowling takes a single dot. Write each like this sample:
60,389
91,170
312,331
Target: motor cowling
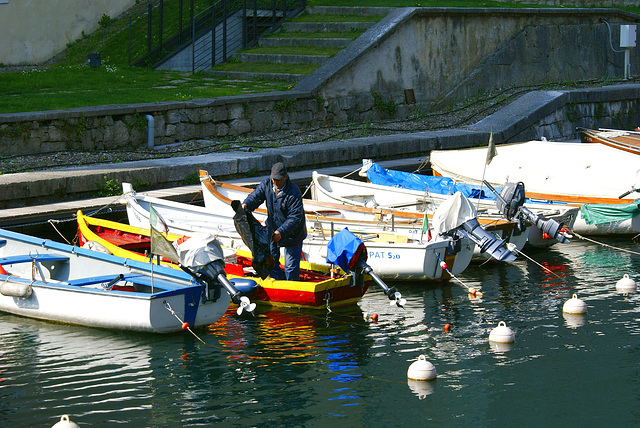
347,251
513,198
203,254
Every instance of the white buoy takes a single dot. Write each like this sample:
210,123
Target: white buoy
65,423
626,284
421,370
502,334
574,306
500,348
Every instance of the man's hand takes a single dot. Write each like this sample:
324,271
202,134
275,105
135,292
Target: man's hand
276,236
244,206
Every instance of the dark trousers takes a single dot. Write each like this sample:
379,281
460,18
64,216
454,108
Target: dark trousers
292,256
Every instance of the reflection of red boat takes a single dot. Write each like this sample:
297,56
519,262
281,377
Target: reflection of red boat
315,289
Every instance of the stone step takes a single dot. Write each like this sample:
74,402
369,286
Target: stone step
282,58
314,27
244,75
310,42
348,10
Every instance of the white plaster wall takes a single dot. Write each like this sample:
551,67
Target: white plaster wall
33,31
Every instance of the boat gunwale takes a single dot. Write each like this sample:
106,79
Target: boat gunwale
412,217
324,285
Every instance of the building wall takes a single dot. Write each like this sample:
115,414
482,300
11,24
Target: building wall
449,54
33,31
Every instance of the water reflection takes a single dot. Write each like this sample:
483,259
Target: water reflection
297,368
299,349
70,370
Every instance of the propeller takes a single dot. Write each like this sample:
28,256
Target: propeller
245,305
391,293
397,300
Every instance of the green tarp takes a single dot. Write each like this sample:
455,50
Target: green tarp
607,213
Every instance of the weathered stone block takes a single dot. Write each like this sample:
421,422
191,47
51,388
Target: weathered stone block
239,127
261,121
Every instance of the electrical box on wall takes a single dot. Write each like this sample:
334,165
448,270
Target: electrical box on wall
627,36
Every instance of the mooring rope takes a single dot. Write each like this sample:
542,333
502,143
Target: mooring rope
352,172
512,247
472,291
51,222
185,326
603,244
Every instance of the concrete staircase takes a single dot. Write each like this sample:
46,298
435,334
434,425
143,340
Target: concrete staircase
305,43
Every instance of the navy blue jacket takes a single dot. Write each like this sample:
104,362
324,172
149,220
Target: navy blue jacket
286,212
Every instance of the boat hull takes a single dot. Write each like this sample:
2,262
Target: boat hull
414,191
114,310
597,174
67,285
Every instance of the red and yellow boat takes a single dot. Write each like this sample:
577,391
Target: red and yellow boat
316,288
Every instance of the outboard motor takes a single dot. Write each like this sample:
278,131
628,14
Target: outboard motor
347,251
203,258
511,199
457,217
510,202
486,241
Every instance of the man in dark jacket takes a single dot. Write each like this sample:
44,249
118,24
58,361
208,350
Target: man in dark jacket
285,218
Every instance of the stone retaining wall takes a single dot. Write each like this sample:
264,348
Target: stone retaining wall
550,114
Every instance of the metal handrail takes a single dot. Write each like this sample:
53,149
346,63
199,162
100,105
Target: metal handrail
161,28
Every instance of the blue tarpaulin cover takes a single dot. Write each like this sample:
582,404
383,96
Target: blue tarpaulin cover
440,185
345,249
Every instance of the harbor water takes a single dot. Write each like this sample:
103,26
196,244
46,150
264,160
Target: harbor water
289,367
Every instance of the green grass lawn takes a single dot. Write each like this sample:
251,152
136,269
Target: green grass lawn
69,82
80,86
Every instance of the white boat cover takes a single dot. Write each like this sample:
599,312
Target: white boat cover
199,250
561,168
452,213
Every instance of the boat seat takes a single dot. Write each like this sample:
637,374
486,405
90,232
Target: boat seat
99,279
25,258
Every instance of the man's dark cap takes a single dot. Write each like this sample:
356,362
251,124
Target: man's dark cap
278,171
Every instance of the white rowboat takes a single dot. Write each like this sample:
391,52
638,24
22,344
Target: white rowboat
51,281
390,256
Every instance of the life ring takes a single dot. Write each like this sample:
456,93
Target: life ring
2,271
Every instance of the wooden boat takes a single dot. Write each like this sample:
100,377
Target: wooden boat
323,215
51,281
417,192
628,141
328,188
315,290
600,179
390,256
